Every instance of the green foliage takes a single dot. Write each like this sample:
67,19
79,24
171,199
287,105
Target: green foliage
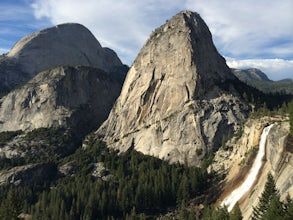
6,163
208,160
236,213
11,206
270,207
239,133
275,210
220,213
52,135
256,97
7,136
39,146
288,208
3,89
275,87
269,194
50,143
140,185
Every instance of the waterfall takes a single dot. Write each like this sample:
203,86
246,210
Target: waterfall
237,194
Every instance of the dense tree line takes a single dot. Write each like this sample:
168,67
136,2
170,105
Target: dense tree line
275,87
137,185
38,146
252,95
209,213
7,136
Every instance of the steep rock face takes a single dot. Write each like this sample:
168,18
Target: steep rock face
279,162
236,153
172,105
280,158
65,44
76,97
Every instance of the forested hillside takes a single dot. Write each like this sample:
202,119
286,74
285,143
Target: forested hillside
257,79
130,184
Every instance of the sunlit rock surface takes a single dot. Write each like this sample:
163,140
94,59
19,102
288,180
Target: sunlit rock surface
172,104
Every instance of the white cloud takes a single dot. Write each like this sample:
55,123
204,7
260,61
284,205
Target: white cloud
275,69
121,25
241,29
249,28
3,50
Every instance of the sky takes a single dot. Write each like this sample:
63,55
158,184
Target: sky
250,33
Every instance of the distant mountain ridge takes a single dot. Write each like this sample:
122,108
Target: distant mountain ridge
250,74
258,79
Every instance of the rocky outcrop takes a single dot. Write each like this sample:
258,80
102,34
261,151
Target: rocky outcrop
79,98
65,44
28,174
237,152
69,168
173,104
280,159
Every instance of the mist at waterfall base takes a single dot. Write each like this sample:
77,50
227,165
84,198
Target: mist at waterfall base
237,194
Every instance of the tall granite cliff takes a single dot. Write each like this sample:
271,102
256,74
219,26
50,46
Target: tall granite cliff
173,104
65,44
78,98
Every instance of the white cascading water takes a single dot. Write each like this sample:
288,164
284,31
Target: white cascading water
237,194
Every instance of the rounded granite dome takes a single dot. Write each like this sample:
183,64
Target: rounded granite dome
65,44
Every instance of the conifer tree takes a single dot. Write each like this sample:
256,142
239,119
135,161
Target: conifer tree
288,209
11,207
275,210
269,194
183,212
221,214
236,213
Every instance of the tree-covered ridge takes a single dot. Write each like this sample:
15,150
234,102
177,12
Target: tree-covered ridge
255,97
136,185
281,87
37,146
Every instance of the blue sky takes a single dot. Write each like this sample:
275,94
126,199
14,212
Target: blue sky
247,33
